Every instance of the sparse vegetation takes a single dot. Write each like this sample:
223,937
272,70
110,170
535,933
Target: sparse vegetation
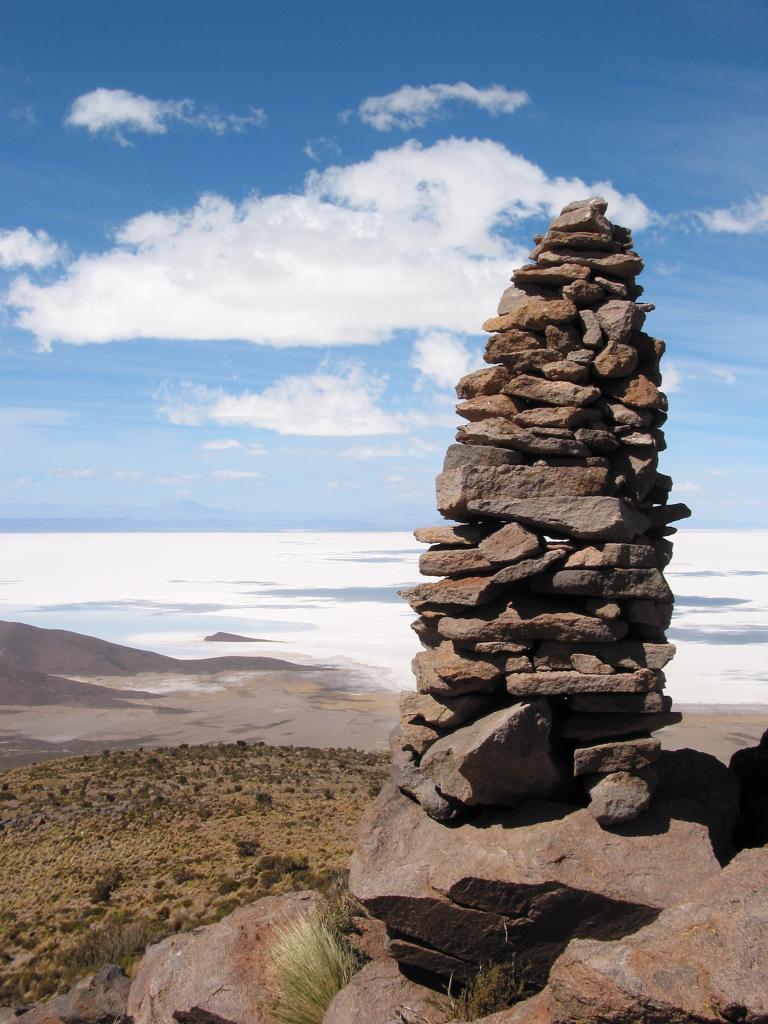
101,855
314,961
496,987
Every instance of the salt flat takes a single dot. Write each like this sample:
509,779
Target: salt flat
332,597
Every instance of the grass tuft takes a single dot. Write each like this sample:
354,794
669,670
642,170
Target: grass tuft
314,961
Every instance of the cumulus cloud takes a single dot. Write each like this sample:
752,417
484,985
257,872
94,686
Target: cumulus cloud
118,112
413,238
740,218
21,248
321,404
442,357
413,106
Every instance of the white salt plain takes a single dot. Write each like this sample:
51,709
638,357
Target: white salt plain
331,597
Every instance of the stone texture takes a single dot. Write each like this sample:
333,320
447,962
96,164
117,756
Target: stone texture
631,755
381,994
445,713
488,407
510,543
482,382
585,518
500,759
453,562
619,320
95,999
555,392
598,726
225,968
628,655
460,492
522,879
702,961
458,536
525,619
619,797
555,683
619,583
536,441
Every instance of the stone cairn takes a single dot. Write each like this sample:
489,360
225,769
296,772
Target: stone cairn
542,673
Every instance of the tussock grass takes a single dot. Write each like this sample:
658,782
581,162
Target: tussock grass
314,961
102,855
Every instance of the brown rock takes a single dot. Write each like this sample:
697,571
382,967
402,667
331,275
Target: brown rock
625,266
627,655
536,441
457,536
444,671
468,591
530,620
615,361
619,320
702,961
566,369
461,492
225,968
638,392
623,703
417,738
453,562
558,241
584,218
531,1011
460,456
631,755
597,440
381,994
488,381
621,415
550,277
616,583
556,683
623,556
533,314
522,879
510,543
564,416
586,518
617,288
96,999
619,797
593,336
564,338
583,293
550,392
603,726
488,406
509,343
407,776
499,760
445,713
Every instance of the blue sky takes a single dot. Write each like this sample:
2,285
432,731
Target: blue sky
242,264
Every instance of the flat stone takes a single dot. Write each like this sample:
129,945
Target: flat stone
615,360
524,879
619,320
623,556
632,755
622,415
461,492
550,277
564,416
499,760
568,370
591,241
417,738
524,619
597,440
453,562
488,406
617,288
628,655
509,343
625,266
663,514
604,726
584,218
619,703
445,713
558,683
457,536
585,518
531,360
506,434
458,456
534,314
550,392
702,961
615,583
563,338
510,543
443,672
619,797
584,293
639,471
638,392
488,381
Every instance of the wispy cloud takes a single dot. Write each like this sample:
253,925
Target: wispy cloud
118,113
416,448
724,375
413,106
672,379
26,114
236,474
220,446
413,238
64,473
739,218
19,247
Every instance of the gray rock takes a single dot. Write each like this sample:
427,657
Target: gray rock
619,320
599,726
567,416
462,456
488,407
500,759
616,583
585,518
510,543
622,556
550,277
381,994
457,536
615,360
410,780
584,293
625,266
461,492
536,441
558,683
526,619
453,562
593,336
619,797
443,671
442,713
482,382
534,389
627,655
632,755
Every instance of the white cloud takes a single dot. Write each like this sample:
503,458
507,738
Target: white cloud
323,147
236,474
117,112
220,446
725,376
412,238
321,404
442,357
688,487
416,449
672,379
71,474
739,218
412,106
21,248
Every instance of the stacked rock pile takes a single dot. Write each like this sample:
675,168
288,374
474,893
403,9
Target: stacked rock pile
544,634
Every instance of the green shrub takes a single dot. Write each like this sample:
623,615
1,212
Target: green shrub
314,961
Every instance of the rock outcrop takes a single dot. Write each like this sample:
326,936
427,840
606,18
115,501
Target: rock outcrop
550,606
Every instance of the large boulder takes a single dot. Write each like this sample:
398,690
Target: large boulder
531,878
225,968
500,759
95,999
703,960
381,994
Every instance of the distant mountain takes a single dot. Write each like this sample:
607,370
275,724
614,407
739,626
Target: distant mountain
35,662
